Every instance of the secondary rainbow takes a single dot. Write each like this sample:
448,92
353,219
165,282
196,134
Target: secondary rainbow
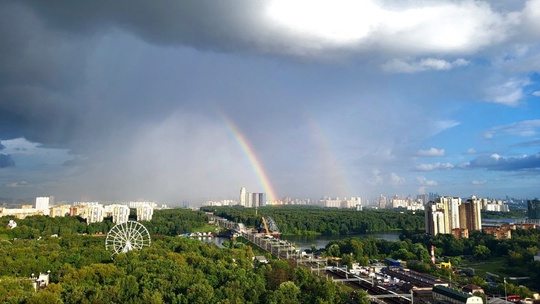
330,161
252,158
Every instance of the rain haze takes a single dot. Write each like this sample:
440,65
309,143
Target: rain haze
177,101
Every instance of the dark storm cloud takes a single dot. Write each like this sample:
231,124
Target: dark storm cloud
136,93
500,163
47,61
38,72
202,24
6,161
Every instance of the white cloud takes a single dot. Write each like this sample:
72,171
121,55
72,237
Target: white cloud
411,27
536,93
524,128
471,151
431,152
426,64
421,180
396,179
20,184
376,178
435,166
32,153
531,12
509,93
479,182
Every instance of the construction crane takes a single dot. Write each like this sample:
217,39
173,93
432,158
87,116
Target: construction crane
265,226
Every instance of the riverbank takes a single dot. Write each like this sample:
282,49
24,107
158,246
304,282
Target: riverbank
320,241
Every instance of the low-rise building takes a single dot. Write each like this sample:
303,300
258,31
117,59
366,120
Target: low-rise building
499,232
20,213
60,211
471,289
460,233
447,294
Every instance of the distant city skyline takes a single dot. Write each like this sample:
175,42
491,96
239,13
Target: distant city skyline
189,101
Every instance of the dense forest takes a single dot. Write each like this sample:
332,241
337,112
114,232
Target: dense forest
171,270
325,221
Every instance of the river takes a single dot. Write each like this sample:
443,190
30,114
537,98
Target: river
320,241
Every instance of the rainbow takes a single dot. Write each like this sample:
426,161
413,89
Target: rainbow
252,158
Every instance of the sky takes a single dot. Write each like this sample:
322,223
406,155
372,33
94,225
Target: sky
188,101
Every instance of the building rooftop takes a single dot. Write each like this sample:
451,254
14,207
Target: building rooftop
451,293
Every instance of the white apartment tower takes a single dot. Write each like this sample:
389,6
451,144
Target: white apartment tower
435,219
448,213
243,196
43,204
119,213
94,213
144,212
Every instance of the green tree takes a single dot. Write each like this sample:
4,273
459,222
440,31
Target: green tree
333,250
287,293
481,252
13,290
44,297
360,296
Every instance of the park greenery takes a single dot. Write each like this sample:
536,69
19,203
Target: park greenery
172,270
324,221
180,270
514,213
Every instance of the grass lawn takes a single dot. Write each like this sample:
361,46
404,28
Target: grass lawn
494,265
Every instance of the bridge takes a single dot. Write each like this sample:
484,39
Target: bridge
283,249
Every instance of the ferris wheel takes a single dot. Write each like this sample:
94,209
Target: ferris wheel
127,236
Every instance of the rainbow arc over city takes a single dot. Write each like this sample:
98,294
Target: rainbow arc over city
250,154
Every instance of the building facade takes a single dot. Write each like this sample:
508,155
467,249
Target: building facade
144,212
449,295
533,211
449,215
119,213
43,204
243,197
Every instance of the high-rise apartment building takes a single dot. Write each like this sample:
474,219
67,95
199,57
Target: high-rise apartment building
435,219
119,213
258,200
382,202
252,200
94,213
449,215
144,212
450,206
243,197
43,203
533,211
470,214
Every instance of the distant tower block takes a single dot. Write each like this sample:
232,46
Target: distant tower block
43,204
243,197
